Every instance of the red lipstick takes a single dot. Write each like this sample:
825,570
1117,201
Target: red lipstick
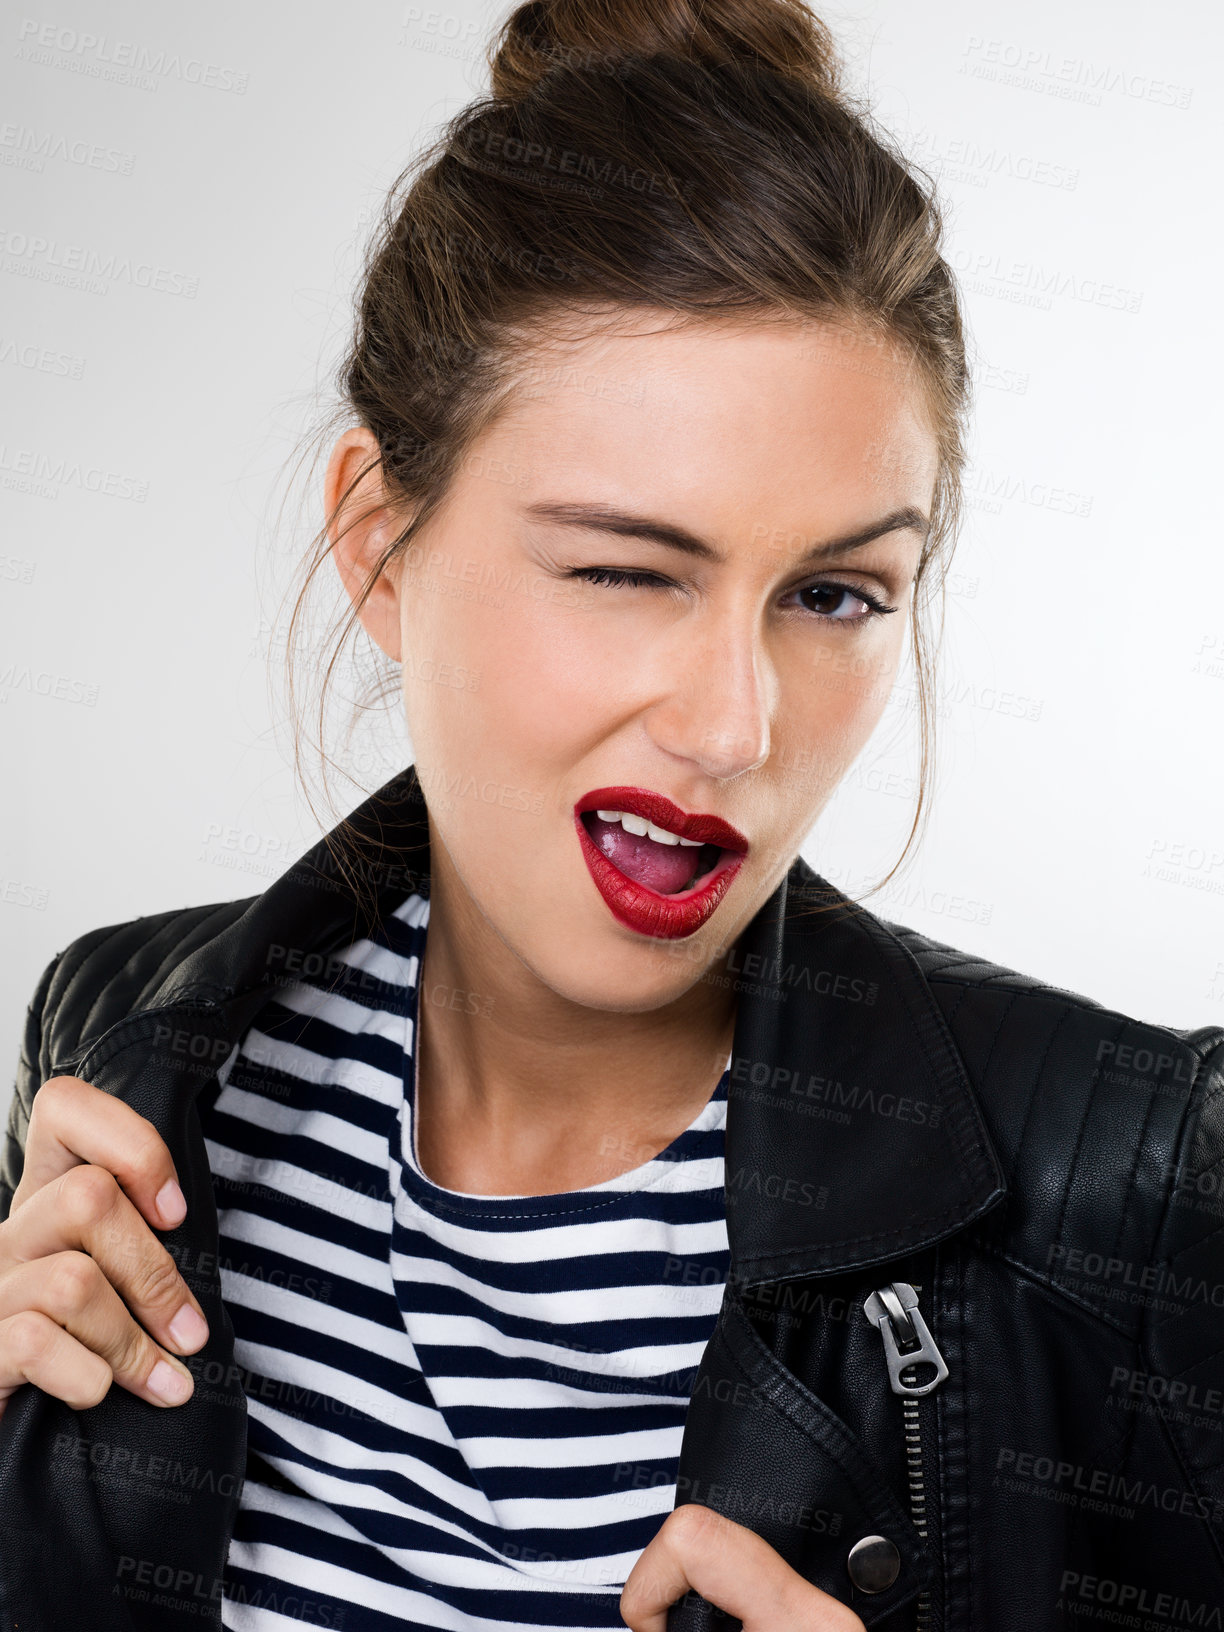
636,905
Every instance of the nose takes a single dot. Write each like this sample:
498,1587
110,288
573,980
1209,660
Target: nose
716,713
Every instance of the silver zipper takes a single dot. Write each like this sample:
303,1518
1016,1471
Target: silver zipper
908,1348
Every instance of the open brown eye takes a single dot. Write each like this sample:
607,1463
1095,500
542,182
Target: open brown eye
831,597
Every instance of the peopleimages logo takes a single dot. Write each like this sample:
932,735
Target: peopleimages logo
29,149
77,266
98,56
57,471
1132,1600
1029,284
1078,79
961,158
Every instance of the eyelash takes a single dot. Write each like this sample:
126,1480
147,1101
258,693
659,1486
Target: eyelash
616,577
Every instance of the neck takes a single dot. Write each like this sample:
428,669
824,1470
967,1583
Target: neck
523,1092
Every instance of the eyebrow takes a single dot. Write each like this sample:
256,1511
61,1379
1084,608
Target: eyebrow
607,519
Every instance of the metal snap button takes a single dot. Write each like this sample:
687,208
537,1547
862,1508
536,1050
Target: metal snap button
874,1563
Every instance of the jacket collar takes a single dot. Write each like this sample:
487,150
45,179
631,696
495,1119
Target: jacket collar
853,1134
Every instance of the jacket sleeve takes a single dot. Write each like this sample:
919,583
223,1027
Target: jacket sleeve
30,1067
98,979
1185,1341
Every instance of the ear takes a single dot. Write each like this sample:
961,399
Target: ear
361,533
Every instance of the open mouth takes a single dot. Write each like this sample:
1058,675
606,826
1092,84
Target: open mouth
662,870
668,869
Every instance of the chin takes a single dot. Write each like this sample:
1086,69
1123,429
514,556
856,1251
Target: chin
609,995
597,964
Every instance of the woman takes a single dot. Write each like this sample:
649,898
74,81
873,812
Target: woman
574,1211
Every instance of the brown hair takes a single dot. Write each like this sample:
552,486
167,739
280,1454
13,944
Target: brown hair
693,155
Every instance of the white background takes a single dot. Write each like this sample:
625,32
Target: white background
1078,827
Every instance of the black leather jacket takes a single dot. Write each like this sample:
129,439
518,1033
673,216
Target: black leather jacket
1045,1174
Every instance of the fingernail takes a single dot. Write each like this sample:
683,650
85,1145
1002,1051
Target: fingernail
170,1385
188,1328
171,1202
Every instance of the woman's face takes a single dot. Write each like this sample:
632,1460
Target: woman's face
737,678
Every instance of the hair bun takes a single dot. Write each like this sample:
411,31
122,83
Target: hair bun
540,35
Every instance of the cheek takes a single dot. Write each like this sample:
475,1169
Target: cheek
837,696
502,669
446,668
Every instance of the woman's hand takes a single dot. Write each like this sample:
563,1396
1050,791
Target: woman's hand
730,1567
82,1274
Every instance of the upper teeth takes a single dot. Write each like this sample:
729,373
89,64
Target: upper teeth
639,825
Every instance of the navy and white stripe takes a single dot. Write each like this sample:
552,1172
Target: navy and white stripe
464,1412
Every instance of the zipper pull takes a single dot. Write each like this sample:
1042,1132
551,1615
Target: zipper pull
907,1338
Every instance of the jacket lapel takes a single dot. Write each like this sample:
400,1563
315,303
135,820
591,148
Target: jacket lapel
853,1134
140,1501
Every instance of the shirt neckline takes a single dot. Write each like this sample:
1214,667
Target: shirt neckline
699,1139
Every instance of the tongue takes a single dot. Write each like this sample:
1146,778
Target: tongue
667,868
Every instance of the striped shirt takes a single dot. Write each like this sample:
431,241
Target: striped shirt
464,1412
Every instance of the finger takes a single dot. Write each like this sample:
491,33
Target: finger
70,1290
731,1567
34,1349
72,1122
86,1211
